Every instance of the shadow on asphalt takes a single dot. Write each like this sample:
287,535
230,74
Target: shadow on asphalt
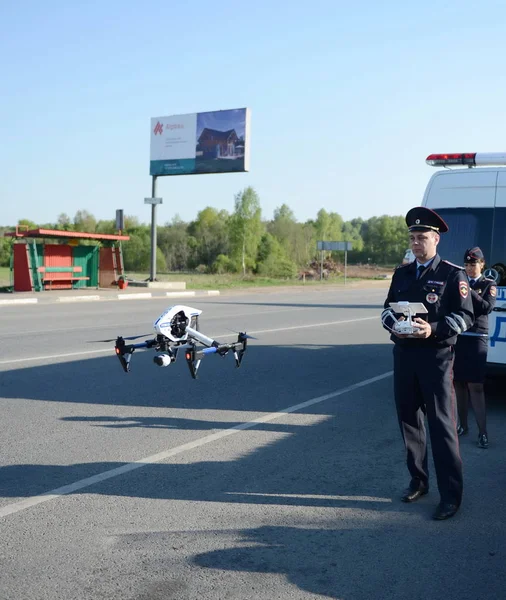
378,307
271,377
356,463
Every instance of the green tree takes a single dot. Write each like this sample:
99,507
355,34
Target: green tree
131,222
351,233
137,253
84,221
210,231
385,238
272,260
177,245
64,222
5,250
328,226
246,228
222,264
107,227
290,234
27,224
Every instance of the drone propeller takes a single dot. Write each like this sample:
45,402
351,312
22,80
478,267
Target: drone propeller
242,334
131,337
248,337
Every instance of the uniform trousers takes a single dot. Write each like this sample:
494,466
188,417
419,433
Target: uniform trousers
423,386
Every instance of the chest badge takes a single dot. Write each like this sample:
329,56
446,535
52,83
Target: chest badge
432,298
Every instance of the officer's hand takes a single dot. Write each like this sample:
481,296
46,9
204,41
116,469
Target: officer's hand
424,329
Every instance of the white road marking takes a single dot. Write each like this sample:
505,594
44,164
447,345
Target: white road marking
16,507
309,326
51,356
218,337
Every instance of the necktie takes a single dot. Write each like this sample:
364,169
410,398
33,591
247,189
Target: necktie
472,282
419,270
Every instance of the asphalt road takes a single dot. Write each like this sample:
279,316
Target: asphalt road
279,480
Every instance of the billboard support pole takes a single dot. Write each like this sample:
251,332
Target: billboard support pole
321,267
152,275
345,264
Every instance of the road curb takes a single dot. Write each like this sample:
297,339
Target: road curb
19,301
77,298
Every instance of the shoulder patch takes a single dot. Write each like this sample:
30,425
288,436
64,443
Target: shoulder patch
463,289
453,264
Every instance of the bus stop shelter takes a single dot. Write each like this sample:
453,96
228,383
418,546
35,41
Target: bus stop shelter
50,259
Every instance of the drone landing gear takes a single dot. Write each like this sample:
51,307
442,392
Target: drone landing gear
194,357
124,351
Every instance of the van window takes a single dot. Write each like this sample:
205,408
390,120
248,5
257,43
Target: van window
483,227
498,254
467,227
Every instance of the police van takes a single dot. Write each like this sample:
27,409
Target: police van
472,201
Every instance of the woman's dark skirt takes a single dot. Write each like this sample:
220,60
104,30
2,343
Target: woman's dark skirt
470,359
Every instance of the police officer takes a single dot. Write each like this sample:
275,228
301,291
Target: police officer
423,360
472,347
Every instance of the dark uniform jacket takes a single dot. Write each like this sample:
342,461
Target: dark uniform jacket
444,290
483,294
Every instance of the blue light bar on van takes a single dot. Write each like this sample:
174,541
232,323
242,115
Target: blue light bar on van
470,159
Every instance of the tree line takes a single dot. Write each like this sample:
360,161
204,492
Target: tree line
241,241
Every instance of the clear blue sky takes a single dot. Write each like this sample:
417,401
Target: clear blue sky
347,100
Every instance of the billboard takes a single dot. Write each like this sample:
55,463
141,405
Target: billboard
198,143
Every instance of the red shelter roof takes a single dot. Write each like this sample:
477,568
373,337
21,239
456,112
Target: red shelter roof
58,233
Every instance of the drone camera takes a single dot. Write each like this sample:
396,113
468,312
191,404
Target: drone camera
163,360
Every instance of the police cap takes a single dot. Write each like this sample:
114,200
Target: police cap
424,219
473,255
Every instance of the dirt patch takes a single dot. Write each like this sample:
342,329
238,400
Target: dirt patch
331,270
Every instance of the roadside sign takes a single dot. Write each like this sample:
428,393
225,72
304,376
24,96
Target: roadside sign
334,246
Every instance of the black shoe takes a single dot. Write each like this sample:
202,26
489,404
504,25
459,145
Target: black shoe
445,511
462,430
414,491
483,441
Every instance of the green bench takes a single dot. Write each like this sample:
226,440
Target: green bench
52,275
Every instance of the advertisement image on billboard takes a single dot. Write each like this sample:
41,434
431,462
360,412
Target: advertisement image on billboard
199,143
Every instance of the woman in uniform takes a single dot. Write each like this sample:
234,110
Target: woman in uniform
472,346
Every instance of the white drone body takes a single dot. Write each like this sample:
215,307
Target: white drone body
173,323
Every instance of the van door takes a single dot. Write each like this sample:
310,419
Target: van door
497,318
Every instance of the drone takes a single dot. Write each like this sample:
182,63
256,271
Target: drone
178,329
